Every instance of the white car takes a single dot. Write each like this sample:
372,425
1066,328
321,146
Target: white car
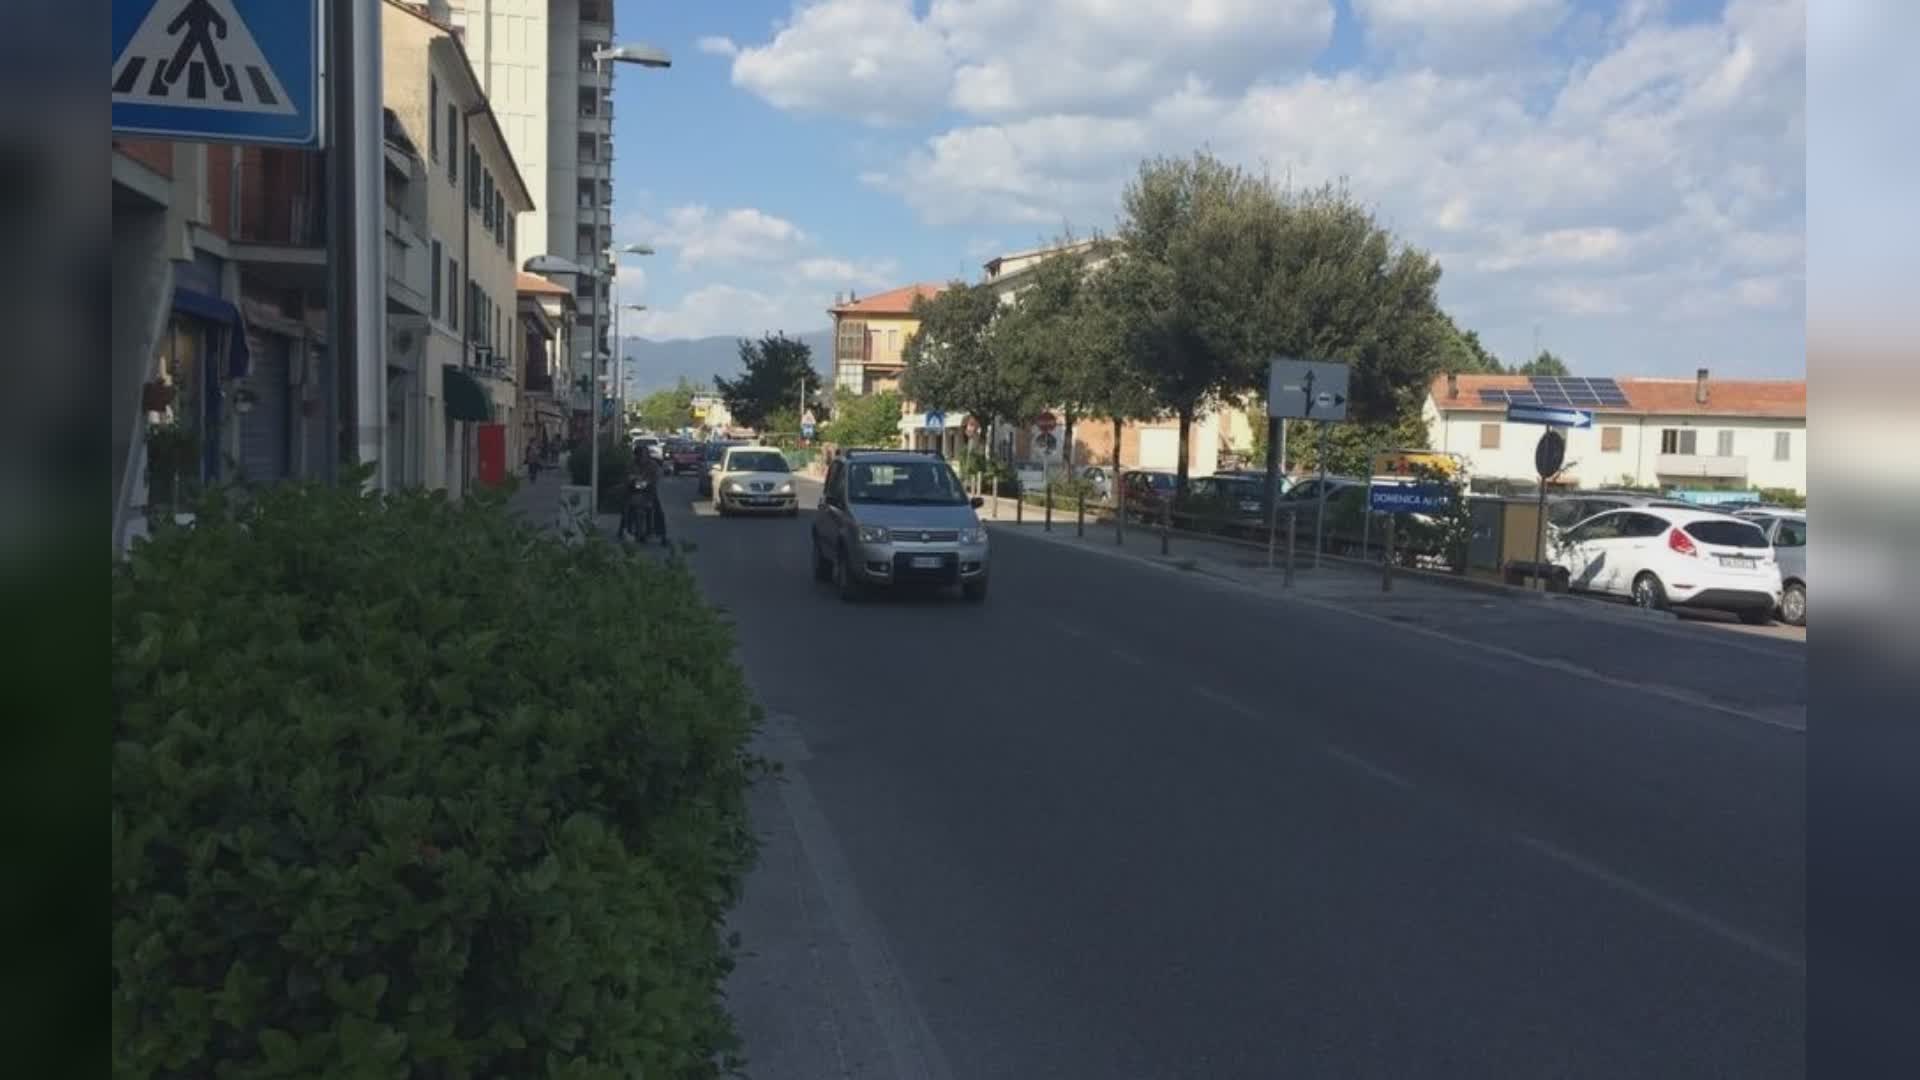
754,480
1663,557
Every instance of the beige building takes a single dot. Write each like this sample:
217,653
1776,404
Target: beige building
870,337
547,382
1698,433
466,374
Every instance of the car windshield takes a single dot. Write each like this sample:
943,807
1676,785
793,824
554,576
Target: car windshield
1733,534
915,483
716,451
757,461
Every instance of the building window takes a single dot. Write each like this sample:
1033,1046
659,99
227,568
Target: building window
513,240
436,279
1783,446
453,144
453,293
1609,440
1679,441
1489,436
473,178
1725,448
433,117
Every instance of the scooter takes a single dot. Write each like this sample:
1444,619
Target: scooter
637,520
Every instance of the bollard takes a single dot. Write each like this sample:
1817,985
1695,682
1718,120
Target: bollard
1119,511
996,497
1293,521
1386,564
1049,522
1273,514
1080,515
1166,524
1020,506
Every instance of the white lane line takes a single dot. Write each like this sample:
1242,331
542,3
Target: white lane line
1718,928
1378,772
1126,657
1069,629
1233,705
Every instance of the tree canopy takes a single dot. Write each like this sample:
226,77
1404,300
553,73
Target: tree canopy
956,361
865,420
1544,364
668,409
773,371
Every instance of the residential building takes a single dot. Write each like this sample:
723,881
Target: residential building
1698,433
870,337
1010,273
710,413
555,106
463,390
547,390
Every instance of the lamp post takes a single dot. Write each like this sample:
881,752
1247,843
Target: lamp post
619,347
648,56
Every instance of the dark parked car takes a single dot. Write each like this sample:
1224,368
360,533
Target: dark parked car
1147,493
685,456
1231,504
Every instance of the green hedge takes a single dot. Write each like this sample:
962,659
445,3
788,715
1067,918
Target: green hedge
403,787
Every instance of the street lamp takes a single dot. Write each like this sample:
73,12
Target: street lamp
619,346
649,56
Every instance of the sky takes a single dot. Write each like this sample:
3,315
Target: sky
1622,183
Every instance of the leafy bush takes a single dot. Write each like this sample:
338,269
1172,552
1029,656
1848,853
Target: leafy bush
407,787
616,464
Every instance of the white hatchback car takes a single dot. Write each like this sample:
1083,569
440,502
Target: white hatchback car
1664,557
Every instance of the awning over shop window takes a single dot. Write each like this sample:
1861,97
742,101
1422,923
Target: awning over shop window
467,400
215,310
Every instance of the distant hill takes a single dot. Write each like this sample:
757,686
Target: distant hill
656,365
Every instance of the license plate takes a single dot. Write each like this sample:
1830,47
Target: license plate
1738,563
926,562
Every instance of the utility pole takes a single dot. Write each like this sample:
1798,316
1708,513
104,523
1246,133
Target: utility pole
356,302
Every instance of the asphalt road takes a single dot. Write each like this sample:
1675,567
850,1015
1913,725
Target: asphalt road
1116,824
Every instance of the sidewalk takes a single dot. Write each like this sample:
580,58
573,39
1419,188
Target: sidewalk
540,502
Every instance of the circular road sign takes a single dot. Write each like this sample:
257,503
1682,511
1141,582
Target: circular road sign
1045,421
1550,452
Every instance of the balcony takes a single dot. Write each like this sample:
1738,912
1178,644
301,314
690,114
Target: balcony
277,216
1701,466
594,76
596,32
595,123
409,269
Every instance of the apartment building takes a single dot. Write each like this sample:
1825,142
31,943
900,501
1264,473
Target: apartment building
547,387
1698,433
870,337
555,107
462,393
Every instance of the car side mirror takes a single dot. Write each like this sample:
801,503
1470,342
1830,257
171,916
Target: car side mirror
976,502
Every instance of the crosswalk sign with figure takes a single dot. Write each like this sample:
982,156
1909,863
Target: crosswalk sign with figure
244,71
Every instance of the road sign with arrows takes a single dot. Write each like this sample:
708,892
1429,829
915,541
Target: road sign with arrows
1306,390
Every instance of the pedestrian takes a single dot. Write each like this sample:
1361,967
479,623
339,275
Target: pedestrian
533,463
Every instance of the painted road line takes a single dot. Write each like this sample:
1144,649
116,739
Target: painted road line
1233,705
1360,764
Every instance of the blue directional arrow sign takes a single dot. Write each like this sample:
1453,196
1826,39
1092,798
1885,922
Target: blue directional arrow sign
1396,497
240,71
1549,416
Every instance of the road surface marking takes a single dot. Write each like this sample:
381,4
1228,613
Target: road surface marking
1069,629
1228,703
1725,932
1378,772
1126,657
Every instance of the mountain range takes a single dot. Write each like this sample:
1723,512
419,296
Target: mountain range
656,365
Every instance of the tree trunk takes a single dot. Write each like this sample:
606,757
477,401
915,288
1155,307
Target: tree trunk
1117,425
1186,430
1066,442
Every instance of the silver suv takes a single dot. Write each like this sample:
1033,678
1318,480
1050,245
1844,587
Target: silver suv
896,517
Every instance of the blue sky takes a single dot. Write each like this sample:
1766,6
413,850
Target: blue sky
1622,182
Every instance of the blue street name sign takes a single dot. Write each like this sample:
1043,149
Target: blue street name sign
240,71
1549,416
1398,498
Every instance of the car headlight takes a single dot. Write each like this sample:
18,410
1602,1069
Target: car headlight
975,535
786,487
874,534
731,487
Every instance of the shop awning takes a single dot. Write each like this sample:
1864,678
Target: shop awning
215,310
467,400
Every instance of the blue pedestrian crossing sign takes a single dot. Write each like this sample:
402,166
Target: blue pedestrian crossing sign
242,71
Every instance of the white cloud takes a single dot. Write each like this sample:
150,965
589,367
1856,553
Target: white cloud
701,235
717,45
726,308
1458,33
846,273
879,62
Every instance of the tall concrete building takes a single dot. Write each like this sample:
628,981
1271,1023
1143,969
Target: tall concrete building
535,59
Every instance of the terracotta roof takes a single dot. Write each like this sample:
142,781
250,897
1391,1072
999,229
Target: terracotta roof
534,283
1783,398
892,302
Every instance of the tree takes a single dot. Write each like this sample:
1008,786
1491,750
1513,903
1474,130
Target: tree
1544,364
774,371
668,410
866,420
954,361
1188,282
1462,353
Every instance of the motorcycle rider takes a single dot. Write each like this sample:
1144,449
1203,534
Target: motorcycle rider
643,492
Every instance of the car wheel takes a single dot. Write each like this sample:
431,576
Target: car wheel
975,592
1756,618
822,566
1793,604
1648,593
843,580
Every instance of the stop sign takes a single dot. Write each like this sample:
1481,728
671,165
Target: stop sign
1044,421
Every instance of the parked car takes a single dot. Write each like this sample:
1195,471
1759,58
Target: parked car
1574,507
715,451
1786,530
754,480
1223,503
1099,481
898,517
1662,557
1146,493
